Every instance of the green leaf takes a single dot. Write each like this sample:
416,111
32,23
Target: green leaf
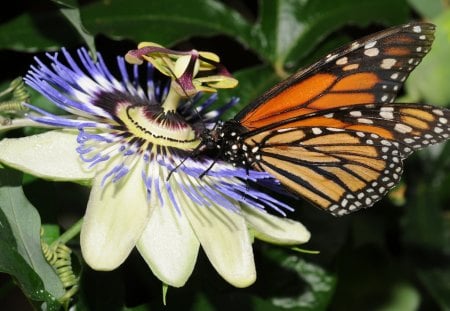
13,263
429,81
321,285
423,223
25,224
67,3
428,8
293,28
70,10
317,288
165,22
31,32
437,281
404,297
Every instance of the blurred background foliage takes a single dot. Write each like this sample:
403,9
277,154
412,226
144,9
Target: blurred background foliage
394,256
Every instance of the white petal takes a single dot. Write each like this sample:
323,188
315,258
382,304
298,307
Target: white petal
226,241
168,244
50,155
274,229
116,215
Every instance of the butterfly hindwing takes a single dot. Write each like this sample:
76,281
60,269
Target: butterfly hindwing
337,170
342,169
369,70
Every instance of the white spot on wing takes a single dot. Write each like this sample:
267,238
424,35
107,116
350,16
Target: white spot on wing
333,129
372,52
438,112
355,113
350,67
342,61
387,108
365,121
394,76
370,44
388,63
438,130
417,29
388,115
402,128
355,45
333,207
316,131
342,212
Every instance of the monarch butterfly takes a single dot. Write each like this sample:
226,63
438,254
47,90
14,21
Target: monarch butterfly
331,132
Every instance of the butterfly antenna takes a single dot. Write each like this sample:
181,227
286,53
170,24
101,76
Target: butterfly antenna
209,167
193,153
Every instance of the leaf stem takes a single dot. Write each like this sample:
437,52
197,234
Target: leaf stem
70,233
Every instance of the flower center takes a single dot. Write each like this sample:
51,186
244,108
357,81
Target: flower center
152,124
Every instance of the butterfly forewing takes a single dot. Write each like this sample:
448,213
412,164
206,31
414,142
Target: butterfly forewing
370,70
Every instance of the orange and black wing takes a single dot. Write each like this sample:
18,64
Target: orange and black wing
369,70
343,169
331,133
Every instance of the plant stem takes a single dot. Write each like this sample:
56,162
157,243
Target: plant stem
70,233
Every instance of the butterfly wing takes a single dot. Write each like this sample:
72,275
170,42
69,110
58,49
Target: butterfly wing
343,169
330,132
369,70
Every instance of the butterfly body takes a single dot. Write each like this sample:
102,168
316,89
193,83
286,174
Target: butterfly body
226,137
331,132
